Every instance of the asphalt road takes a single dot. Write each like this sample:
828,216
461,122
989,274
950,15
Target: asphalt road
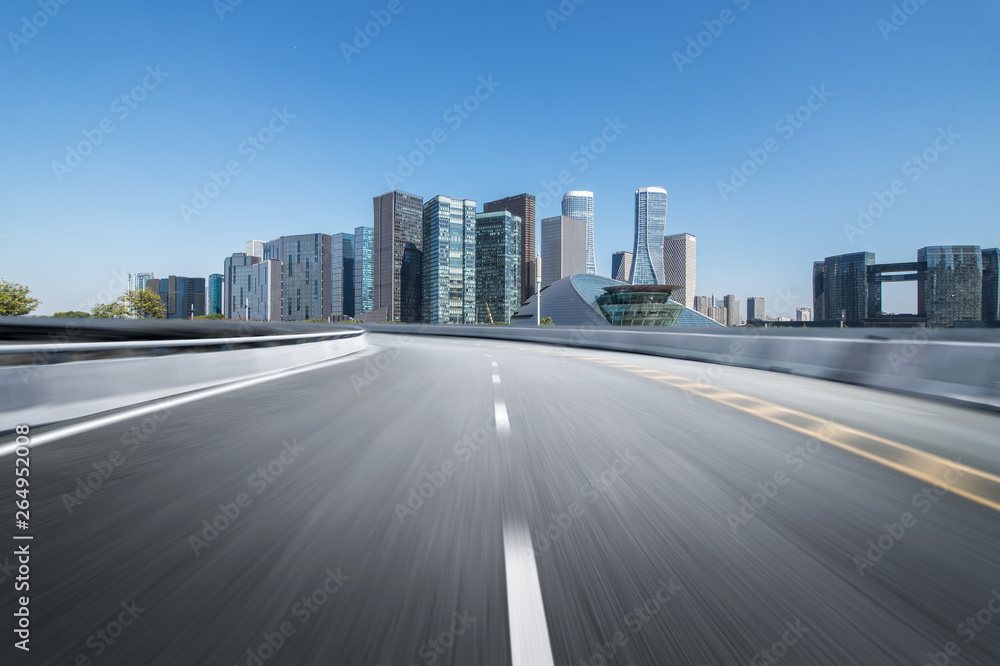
386,504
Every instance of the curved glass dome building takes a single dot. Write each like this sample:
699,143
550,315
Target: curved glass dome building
591,300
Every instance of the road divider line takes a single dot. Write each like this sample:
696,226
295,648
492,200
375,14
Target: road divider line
529,633
496,379
503,423
973,484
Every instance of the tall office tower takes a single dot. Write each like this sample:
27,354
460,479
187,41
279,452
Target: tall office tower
183,297
305,275
621,266
991,285
342,274
952,286
650,221
263,294
564,248
398,238
819,290
213,294
137,281
732,311
236,284
522,206
580,205
845,294
756,309
449,261
679,267
719,313
255,248
364,270
702,304
803,314
498,266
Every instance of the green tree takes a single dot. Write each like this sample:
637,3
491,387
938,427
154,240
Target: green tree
546,321
144,304
214,316
112,310
15,299
72,313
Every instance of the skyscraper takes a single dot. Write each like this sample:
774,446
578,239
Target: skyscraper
305,275
255,248
449,261
579,205
719,313
951,288
621,266
137,281
819,290
732,311
342,274
398,238
991,285
756,309
213,294
236,277
183,297
803,314
498,266
522,206
263,295
702,304
564,248
650,221
844,292
364,270
679,267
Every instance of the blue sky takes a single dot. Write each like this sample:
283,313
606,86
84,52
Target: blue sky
555,86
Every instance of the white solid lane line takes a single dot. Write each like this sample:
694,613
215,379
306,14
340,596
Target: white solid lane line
170,402
529,634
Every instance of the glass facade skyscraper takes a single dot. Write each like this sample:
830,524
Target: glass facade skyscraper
498,266
819,290
449,261
213,294
564,248
650,223
522,206
756,308
305,275
342,274
679,266
991,285
579,205
843,294
264,290
236,276
364,270
183,297
621,266
398,238
951,287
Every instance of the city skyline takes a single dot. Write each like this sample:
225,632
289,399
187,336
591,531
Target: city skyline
683,132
